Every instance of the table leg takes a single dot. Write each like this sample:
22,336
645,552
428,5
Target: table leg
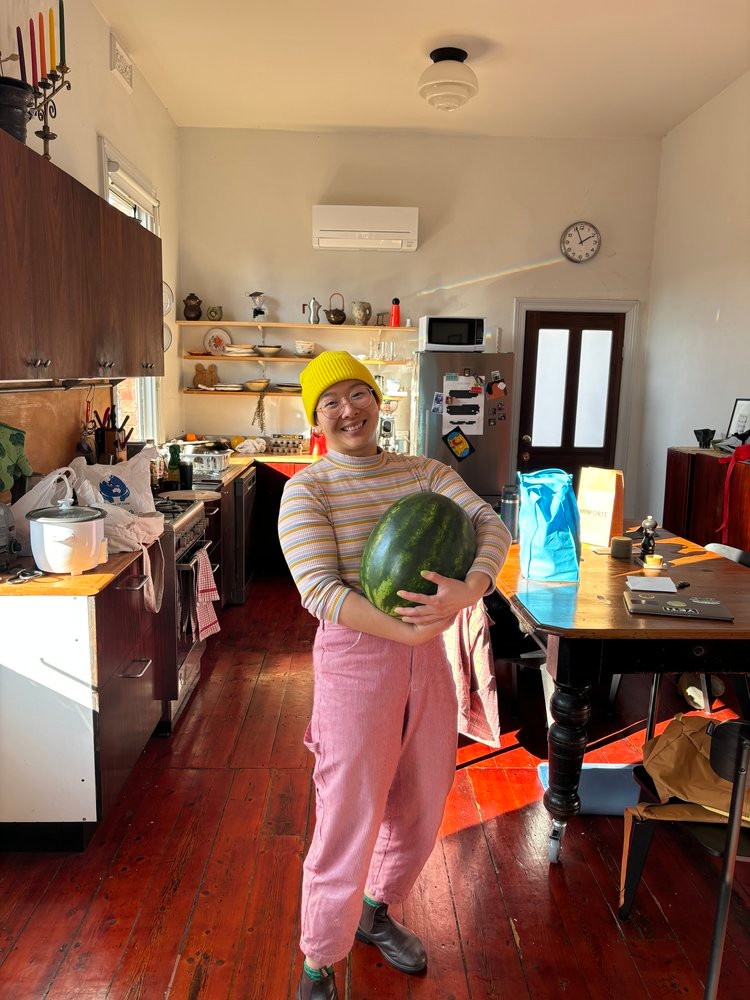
571,709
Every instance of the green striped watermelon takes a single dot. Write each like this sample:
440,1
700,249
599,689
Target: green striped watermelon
422,531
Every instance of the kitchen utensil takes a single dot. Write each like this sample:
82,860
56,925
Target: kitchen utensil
66,539
259,310
335,316
268,350
361,313
313,307
24,575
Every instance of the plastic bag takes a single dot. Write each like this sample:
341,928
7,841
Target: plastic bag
127,484
549,530
55,486
124,530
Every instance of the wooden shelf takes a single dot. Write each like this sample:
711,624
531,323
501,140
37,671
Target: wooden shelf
310,327
240,392
288,360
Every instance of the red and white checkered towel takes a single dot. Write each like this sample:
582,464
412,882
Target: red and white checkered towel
206,592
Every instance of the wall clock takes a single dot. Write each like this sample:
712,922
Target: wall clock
580,241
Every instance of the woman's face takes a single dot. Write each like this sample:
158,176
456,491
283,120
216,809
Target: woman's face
347,413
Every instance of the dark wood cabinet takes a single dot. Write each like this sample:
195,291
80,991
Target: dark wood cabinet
81,289
694,497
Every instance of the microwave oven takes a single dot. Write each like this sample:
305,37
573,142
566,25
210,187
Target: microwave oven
450,333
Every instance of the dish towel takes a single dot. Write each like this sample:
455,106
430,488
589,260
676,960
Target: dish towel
208,623
467,644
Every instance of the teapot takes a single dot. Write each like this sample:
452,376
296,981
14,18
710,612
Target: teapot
361,313
192,310
335,316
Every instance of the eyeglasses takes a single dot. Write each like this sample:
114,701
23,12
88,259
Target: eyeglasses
360,399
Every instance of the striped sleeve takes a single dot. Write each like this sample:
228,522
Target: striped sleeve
309,545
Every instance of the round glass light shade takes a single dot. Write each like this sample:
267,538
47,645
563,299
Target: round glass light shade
448,84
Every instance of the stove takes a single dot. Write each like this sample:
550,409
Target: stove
180,651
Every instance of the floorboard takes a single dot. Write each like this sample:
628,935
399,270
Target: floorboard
190,889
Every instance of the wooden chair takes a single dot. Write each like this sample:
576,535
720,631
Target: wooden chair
729,756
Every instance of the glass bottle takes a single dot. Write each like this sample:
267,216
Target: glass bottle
173,466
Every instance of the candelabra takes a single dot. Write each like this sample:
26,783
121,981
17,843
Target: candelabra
44,103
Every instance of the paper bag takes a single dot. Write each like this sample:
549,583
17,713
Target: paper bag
600,505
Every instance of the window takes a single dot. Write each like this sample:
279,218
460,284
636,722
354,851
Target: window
128,191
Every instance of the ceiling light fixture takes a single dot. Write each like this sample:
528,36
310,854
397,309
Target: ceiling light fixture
448,83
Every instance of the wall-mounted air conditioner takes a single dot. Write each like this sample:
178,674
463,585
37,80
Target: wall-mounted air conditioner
358,227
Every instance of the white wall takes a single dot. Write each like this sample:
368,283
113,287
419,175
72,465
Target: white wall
698,345
490,212
137,124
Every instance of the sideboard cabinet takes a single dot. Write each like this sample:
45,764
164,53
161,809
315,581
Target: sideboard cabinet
694,497
80,295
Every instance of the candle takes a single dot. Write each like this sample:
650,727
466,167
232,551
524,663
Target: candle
61,22
21,59
52,56
42,53
32,47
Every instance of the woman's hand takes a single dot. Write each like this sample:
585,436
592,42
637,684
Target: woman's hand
452,596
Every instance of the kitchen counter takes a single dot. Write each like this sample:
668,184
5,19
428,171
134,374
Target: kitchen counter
298,459
88,584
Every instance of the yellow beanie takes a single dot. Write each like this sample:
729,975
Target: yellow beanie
326,370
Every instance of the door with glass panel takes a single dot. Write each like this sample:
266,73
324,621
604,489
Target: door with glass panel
570,390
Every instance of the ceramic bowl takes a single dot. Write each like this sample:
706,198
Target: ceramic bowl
304,348
268,351
257,384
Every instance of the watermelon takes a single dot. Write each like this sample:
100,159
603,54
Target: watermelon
421,531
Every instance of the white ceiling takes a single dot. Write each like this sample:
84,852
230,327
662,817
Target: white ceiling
577,68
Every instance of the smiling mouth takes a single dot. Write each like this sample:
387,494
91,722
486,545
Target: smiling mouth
353,428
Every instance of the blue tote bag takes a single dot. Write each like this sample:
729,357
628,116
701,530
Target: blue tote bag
549,530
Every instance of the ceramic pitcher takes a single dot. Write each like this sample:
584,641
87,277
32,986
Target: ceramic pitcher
361,313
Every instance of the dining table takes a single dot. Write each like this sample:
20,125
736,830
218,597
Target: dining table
585,630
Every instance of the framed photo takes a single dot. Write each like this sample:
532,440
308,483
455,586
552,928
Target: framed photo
739,422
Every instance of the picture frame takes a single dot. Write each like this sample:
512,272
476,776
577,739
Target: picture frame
739,422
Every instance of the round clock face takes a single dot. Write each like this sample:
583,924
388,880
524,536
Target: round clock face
580,242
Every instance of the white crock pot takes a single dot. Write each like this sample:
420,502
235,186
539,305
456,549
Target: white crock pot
66,539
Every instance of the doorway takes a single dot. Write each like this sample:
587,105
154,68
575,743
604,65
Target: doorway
570,390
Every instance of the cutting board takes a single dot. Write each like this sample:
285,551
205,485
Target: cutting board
191,495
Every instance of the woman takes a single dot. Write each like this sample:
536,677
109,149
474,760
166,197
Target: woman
383,728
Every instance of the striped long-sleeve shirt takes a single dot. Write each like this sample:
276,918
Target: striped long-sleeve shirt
329,509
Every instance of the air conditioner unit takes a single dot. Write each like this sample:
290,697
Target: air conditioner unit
357,227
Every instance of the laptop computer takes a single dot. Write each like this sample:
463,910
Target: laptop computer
676,606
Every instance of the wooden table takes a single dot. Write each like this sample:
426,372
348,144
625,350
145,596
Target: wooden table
585,628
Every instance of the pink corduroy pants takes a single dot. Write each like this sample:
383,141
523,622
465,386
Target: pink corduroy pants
384,735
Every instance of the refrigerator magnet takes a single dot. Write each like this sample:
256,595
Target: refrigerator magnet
438,402
458,444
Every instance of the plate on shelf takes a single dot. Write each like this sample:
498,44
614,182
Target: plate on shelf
166,334
216,340
227,387
167,298
289,386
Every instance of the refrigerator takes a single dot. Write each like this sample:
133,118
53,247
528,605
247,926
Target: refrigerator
461,415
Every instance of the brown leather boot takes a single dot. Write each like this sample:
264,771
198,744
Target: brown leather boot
322,989
399,946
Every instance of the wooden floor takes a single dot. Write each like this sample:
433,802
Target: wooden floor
190,889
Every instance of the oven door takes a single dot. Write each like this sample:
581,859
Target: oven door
244,558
